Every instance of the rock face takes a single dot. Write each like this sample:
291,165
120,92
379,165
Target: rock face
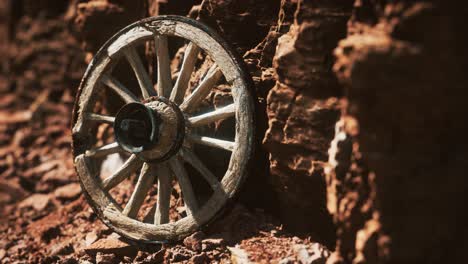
302,112
402,68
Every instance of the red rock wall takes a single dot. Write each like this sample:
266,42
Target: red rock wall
402,65
303,108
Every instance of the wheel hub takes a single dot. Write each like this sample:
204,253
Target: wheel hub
153,130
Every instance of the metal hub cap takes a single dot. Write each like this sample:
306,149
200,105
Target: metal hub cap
154,130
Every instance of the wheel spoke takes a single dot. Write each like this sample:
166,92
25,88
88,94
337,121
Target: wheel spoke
218,114
131,165
203,89
212,142
181,85
104,150
119,88
144,80
193,160
161,215
100,118
164,66
142,187
179,171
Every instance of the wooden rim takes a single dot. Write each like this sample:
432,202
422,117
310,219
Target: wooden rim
227,64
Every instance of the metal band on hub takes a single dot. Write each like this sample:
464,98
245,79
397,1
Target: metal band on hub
154,130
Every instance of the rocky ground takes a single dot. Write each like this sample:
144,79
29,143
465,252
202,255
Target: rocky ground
360,109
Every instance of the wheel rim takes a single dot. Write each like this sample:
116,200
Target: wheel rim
174,147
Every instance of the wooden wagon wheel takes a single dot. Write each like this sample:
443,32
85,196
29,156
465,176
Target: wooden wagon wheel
158,128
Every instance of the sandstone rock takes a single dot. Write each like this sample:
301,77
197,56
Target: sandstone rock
46,228
90,238
212,243
10,190
410,135
110,246
239,255
68,192
70,260
61,248
194,241
200,258
102,258
36,201
302,110
179,256
311,254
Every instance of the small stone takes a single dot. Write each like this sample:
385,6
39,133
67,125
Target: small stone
238,255
63,248
68,192
46,228
85,261
178,257
194,242
70,260
147,258
90,238
102,258
36,201
314,254
200,258
212,243
127,259
111,246
10,190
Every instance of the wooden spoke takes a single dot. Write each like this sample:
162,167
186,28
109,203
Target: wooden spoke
193,160
119,88
179,171
142,187
181,85
212,142
131,165
143,78
164,66
100,118
104,150
203,89
161,215
216,115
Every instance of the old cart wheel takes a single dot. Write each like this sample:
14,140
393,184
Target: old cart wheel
158,132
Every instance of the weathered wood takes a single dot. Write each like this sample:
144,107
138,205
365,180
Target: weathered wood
119,89
104,150
193,160
130,166
203,89
181,85
212,142
177,167
164,66
87,94
100,118
222,55
144,183
161,215
143,78
210,117
134,35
